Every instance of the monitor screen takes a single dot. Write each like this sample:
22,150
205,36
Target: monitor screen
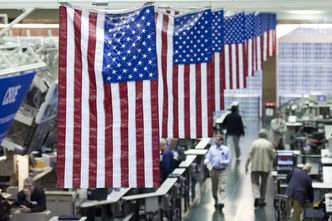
285,158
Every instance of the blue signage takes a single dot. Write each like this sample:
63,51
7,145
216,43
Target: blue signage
13,89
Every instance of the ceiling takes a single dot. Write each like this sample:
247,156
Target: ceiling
288,11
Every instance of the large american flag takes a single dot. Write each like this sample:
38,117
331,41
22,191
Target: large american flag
183,50
257,42
218,61
249,46
108,100
233,49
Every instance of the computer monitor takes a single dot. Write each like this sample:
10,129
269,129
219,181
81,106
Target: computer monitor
285,161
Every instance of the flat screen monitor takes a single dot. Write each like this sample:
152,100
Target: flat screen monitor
285,159
324,111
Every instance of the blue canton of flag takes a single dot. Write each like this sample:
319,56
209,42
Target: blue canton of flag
218,31
257,25
130,46
192,37
234,29
272,21
249,26
264,21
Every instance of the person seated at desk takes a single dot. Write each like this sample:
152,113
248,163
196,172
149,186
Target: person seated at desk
31,198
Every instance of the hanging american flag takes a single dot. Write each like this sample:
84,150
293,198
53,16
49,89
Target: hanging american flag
265,34
233,49
218,61
108,100
272,34
183,50
249,49
257,42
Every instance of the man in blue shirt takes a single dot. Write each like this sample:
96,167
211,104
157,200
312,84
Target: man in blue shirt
217,160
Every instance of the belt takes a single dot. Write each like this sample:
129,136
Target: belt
214,168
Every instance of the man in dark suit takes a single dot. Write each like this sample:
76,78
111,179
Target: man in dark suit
234,127
299,189
31,198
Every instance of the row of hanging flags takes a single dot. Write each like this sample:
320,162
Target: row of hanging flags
126,79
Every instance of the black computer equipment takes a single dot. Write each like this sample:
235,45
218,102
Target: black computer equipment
285,162
97,194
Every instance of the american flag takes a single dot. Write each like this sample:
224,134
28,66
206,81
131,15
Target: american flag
108,99
233,49
249,35
183,50
272,34
257,42
265,34
218,61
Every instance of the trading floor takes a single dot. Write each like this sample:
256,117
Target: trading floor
239,204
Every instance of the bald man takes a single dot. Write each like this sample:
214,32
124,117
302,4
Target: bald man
299,189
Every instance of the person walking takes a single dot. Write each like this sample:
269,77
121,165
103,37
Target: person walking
299,189
278,130
234,127
217,159
261,156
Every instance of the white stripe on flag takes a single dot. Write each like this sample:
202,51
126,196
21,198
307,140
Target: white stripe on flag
250,58
192,95
100,179
132,161
170,29
148,166
270,42
204,88
68,170
240,59
85,111
180,100
159,25
234,62
265,45
217,80
227,67
116,108
259,59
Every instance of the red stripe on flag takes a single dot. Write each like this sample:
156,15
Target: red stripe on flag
210,94
230,62
164,73
175,80
198,101
62,96
245,63
186,100
222,79
140,135
123,93
92,101
252,57
108,136
237,65
268,44
77,100
212,85
155,134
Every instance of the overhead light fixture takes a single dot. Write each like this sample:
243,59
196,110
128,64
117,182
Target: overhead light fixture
97,3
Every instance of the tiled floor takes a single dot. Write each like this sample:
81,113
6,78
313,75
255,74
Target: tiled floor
239,200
